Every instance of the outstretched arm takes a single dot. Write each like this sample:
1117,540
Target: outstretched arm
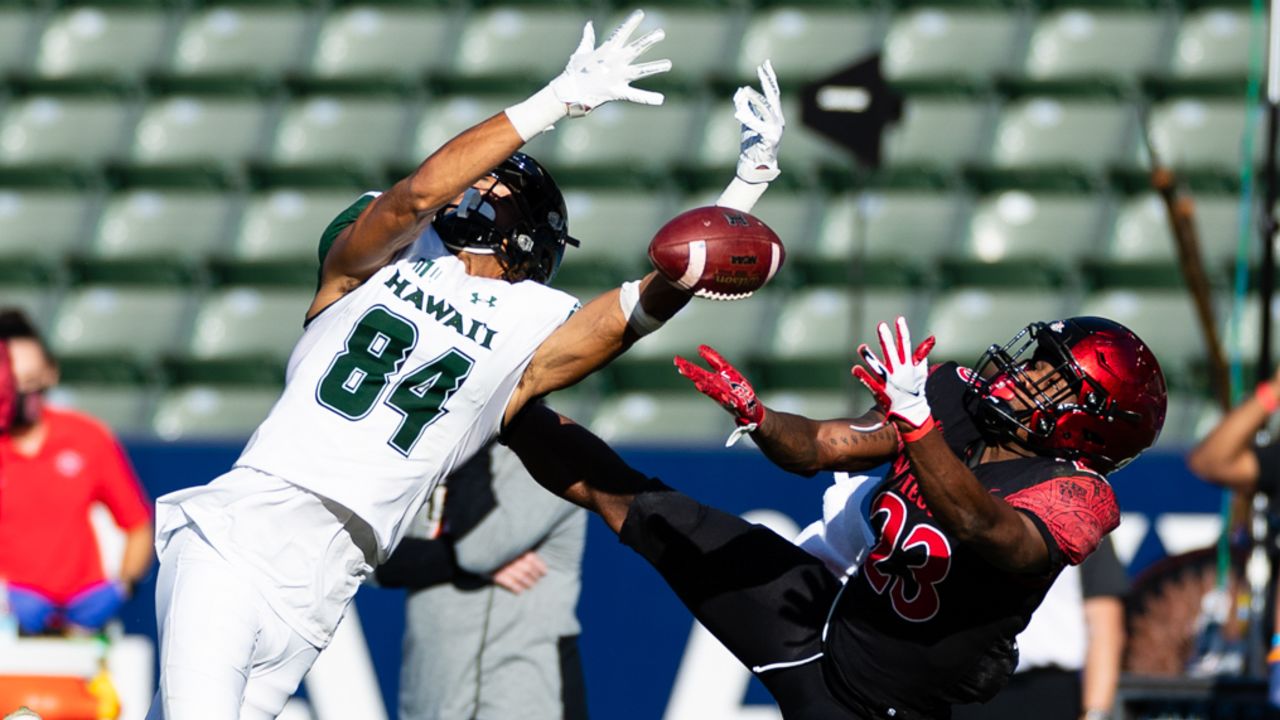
1225,456
608,325
794,443
593,76
572,462
602,330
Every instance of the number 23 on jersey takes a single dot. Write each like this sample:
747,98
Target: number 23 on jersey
359,376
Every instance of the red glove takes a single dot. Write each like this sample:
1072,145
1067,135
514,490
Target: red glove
8,389
727,386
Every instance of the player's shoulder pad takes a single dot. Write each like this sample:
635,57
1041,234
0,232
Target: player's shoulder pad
343,219
1076,507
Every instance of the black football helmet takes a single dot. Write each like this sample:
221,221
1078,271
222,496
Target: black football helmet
1101,399
526,230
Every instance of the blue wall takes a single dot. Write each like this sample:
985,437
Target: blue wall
634,629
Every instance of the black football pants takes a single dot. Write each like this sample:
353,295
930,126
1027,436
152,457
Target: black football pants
758,593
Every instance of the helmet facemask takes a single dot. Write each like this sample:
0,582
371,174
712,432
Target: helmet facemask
1034,392
518,219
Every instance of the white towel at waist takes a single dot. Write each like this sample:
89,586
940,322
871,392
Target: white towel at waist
842,538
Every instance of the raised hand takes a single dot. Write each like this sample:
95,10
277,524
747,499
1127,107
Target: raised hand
597,75
898,382
762,126
724,384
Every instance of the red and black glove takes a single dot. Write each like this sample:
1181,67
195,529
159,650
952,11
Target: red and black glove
724,384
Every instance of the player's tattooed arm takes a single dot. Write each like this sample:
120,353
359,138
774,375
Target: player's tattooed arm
804,446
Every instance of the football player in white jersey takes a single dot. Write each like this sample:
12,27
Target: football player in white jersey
431,328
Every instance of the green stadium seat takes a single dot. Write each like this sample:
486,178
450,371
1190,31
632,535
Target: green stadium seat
41,224
1199,133
614,226
15,31
120,321
829,323
1142,232
1040,131
382,41
212,412
1164,319
199,129
545,35
334,129
578,402
149,223
889,226
671,418
1015,226
794,216
1205,421
240,39
937,131
698,39
123,408
628,134
805,42
285,224
448,115
801,148
1213,42
966,322
943,42
36,301
77,129
89,40
245,322
823,405
1180,430
1249,337
1088,42
735,329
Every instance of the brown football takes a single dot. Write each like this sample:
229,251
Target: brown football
717,252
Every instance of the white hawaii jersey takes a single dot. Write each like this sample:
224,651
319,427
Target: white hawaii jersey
401,381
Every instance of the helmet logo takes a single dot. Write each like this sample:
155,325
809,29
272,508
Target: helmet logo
524,242
1057,326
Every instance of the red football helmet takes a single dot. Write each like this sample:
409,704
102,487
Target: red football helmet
1083,388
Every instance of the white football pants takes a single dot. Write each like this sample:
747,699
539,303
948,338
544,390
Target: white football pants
224,654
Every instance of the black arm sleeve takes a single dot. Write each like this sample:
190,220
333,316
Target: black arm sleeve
418,563
1101,574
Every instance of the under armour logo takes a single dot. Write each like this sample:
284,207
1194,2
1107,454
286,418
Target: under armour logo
476,300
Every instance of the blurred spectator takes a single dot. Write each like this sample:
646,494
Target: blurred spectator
1230,457
54,465
1069,655
491,629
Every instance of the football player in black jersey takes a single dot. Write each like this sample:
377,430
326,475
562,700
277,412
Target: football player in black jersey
996,480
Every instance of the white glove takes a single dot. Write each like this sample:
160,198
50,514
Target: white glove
593,77
762,126
898,382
